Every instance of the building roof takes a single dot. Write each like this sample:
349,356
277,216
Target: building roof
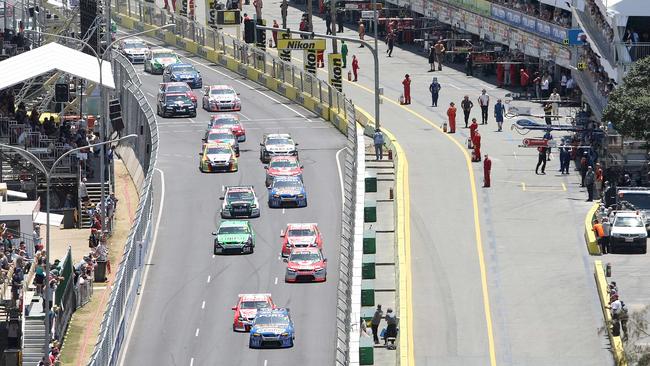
53,56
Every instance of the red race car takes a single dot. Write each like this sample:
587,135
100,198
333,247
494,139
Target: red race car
300,236
246,310
306,264
176,87
282,166
231,121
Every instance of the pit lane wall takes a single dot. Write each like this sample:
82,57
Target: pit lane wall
603,294
590,236
322,99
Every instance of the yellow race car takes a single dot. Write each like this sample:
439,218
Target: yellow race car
218,157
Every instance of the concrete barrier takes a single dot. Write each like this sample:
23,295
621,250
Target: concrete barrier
590,236
603,294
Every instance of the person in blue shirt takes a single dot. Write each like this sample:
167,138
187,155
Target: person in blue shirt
378,139
499,111
434,88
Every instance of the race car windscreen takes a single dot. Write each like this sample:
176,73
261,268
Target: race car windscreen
640,200
254,305
240,196
304,257
271,320
217,150
183,69
220,136
163,55
233,230
221,91
301,232
279,141
284,164
134,45
172,99
628,222
178,89
285,184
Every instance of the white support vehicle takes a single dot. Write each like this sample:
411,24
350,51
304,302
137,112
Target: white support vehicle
628,231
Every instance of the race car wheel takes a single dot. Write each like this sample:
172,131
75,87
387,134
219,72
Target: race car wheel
193,115
158,110
233,328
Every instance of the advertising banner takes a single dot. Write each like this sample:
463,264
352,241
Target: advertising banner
576,37
309,60
211,7
285,55
302,44
334,64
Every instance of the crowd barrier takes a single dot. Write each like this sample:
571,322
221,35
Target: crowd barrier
590,236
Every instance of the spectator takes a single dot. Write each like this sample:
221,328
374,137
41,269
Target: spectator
374,323
391,323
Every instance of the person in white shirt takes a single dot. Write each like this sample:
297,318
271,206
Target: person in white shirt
570,86
555,97
546,84
484,102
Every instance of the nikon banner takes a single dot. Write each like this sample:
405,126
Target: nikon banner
185,8
302,44
285,54
310,61
211,7
334,65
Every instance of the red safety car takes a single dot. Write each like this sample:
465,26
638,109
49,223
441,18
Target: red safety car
246,309
306,264
300,236
229,120
283,166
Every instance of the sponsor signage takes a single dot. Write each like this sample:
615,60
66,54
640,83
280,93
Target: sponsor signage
530,24
310,61
301,44
285,54
368,14
334,64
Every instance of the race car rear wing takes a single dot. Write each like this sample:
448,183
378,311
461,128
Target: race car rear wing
224,188
240,295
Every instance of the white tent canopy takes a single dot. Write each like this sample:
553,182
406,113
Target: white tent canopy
622,9
53,56
55,219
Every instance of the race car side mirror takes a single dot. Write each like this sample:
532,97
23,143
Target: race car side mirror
325,260
214,233
302,167
266,167
261,144
296,144
200,154
282,233
234,308
285,260
221,198
238,93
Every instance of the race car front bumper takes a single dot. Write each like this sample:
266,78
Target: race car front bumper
233,249
212,167
266,340
306,276
281,201
230,213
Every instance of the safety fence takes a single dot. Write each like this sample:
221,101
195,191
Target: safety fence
139,158
288,80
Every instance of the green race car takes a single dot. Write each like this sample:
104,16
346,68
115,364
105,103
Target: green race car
157,60
234,236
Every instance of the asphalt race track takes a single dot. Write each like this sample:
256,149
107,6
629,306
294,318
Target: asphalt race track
185,315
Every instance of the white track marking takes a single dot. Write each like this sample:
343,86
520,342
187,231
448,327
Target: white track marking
338,166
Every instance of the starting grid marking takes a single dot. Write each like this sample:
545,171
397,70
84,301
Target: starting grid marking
538,188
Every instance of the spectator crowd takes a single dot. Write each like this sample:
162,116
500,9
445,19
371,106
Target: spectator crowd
536,9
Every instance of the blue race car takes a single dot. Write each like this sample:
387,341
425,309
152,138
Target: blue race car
183,72
287,191
272,328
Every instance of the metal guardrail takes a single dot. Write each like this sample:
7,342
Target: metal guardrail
137,114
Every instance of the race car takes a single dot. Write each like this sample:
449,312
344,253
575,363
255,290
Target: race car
300,236
306,264
272,328
221,98
176,88
176,104
218,157
183,72
224,135
134,50
228,120
282,166
234,236
239,201
277,144
246,309
156,60
287,190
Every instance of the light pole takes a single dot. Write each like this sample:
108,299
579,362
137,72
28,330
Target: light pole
353,40
48,175
104,115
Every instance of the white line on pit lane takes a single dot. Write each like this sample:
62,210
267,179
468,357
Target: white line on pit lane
265,362
203,305
151,95
192,361
196,334
276,280
209,277
191,120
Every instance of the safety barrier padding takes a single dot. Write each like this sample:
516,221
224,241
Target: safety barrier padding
369,241
370,181
366,351
368,269
367,293
603,294
370,210
590,236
